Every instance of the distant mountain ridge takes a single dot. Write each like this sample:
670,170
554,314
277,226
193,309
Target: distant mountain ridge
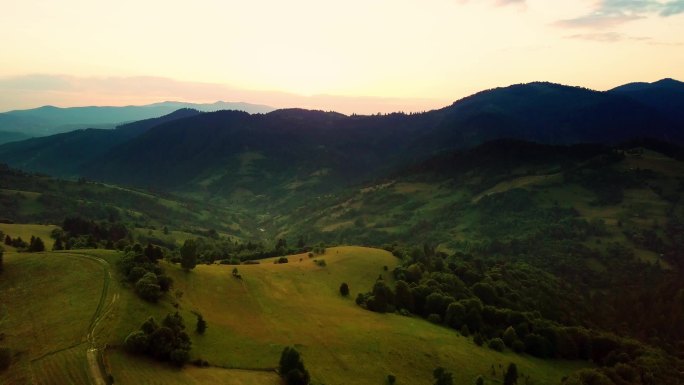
295,150
48,120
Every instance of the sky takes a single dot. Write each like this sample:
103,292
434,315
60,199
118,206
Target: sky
352,56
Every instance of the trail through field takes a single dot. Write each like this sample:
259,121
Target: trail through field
95,367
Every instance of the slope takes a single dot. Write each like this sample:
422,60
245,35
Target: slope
275,305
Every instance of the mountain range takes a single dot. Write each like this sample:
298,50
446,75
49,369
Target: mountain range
230,153
49,120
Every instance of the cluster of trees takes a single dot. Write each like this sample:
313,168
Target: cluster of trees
166,342
509,305
140,267
35,244
211,249
81,233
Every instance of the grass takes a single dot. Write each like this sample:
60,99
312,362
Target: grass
139,371
47,304
251,320
25,231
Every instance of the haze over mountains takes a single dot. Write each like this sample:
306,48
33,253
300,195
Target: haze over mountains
49,120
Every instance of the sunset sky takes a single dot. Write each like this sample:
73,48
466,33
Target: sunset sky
359,56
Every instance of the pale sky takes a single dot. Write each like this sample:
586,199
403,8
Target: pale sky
359,56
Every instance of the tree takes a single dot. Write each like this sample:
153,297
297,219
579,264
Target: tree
442,377
5,358
136,342
510,336
235,272
188,254
511,376
36,245
148,287
201,324
8,240
479,380
58,244
344,289
496,344
2,251
291,367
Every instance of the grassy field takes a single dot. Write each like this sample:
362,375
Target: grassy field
26,231
251,320
47,303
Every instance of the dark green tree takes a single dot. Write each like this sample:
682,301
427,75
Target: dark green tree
442,377
511,376
344,289
201,324
291,367
58,244
188,254
148,287
36,245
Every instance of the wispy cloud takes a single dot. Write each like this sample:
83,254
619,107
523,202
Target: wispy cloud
606,37
500,3
609,13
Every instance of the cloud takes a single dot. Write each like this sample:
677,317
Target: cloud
606,37
609,13
31,91
500,3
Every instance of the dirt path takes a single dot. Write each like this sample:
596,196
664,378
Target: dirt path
96,371
95,367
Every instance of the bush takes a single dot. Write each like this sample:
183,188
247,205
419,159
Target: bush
282,260
148,288
291,367
136,342
435,318
391,379
344,289
5,358
496,344
320,262
518,346
478,340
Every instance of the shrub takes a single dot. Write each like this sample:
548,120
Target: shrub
5,358
291,367
344,289
435,318
518,346
282,260
478,340
148,288
391,379
201,324
136,342
320,262
496,344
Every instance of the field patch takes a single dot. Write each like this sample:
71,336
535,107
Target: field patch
275,305
47,304
26,231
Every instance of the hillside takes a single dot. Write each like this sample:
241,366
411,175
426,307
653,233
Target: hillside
234,156
250,320
68,153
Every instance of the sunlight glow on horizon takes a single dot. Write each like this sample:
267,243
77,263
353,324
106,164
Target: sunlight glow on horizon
426,53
